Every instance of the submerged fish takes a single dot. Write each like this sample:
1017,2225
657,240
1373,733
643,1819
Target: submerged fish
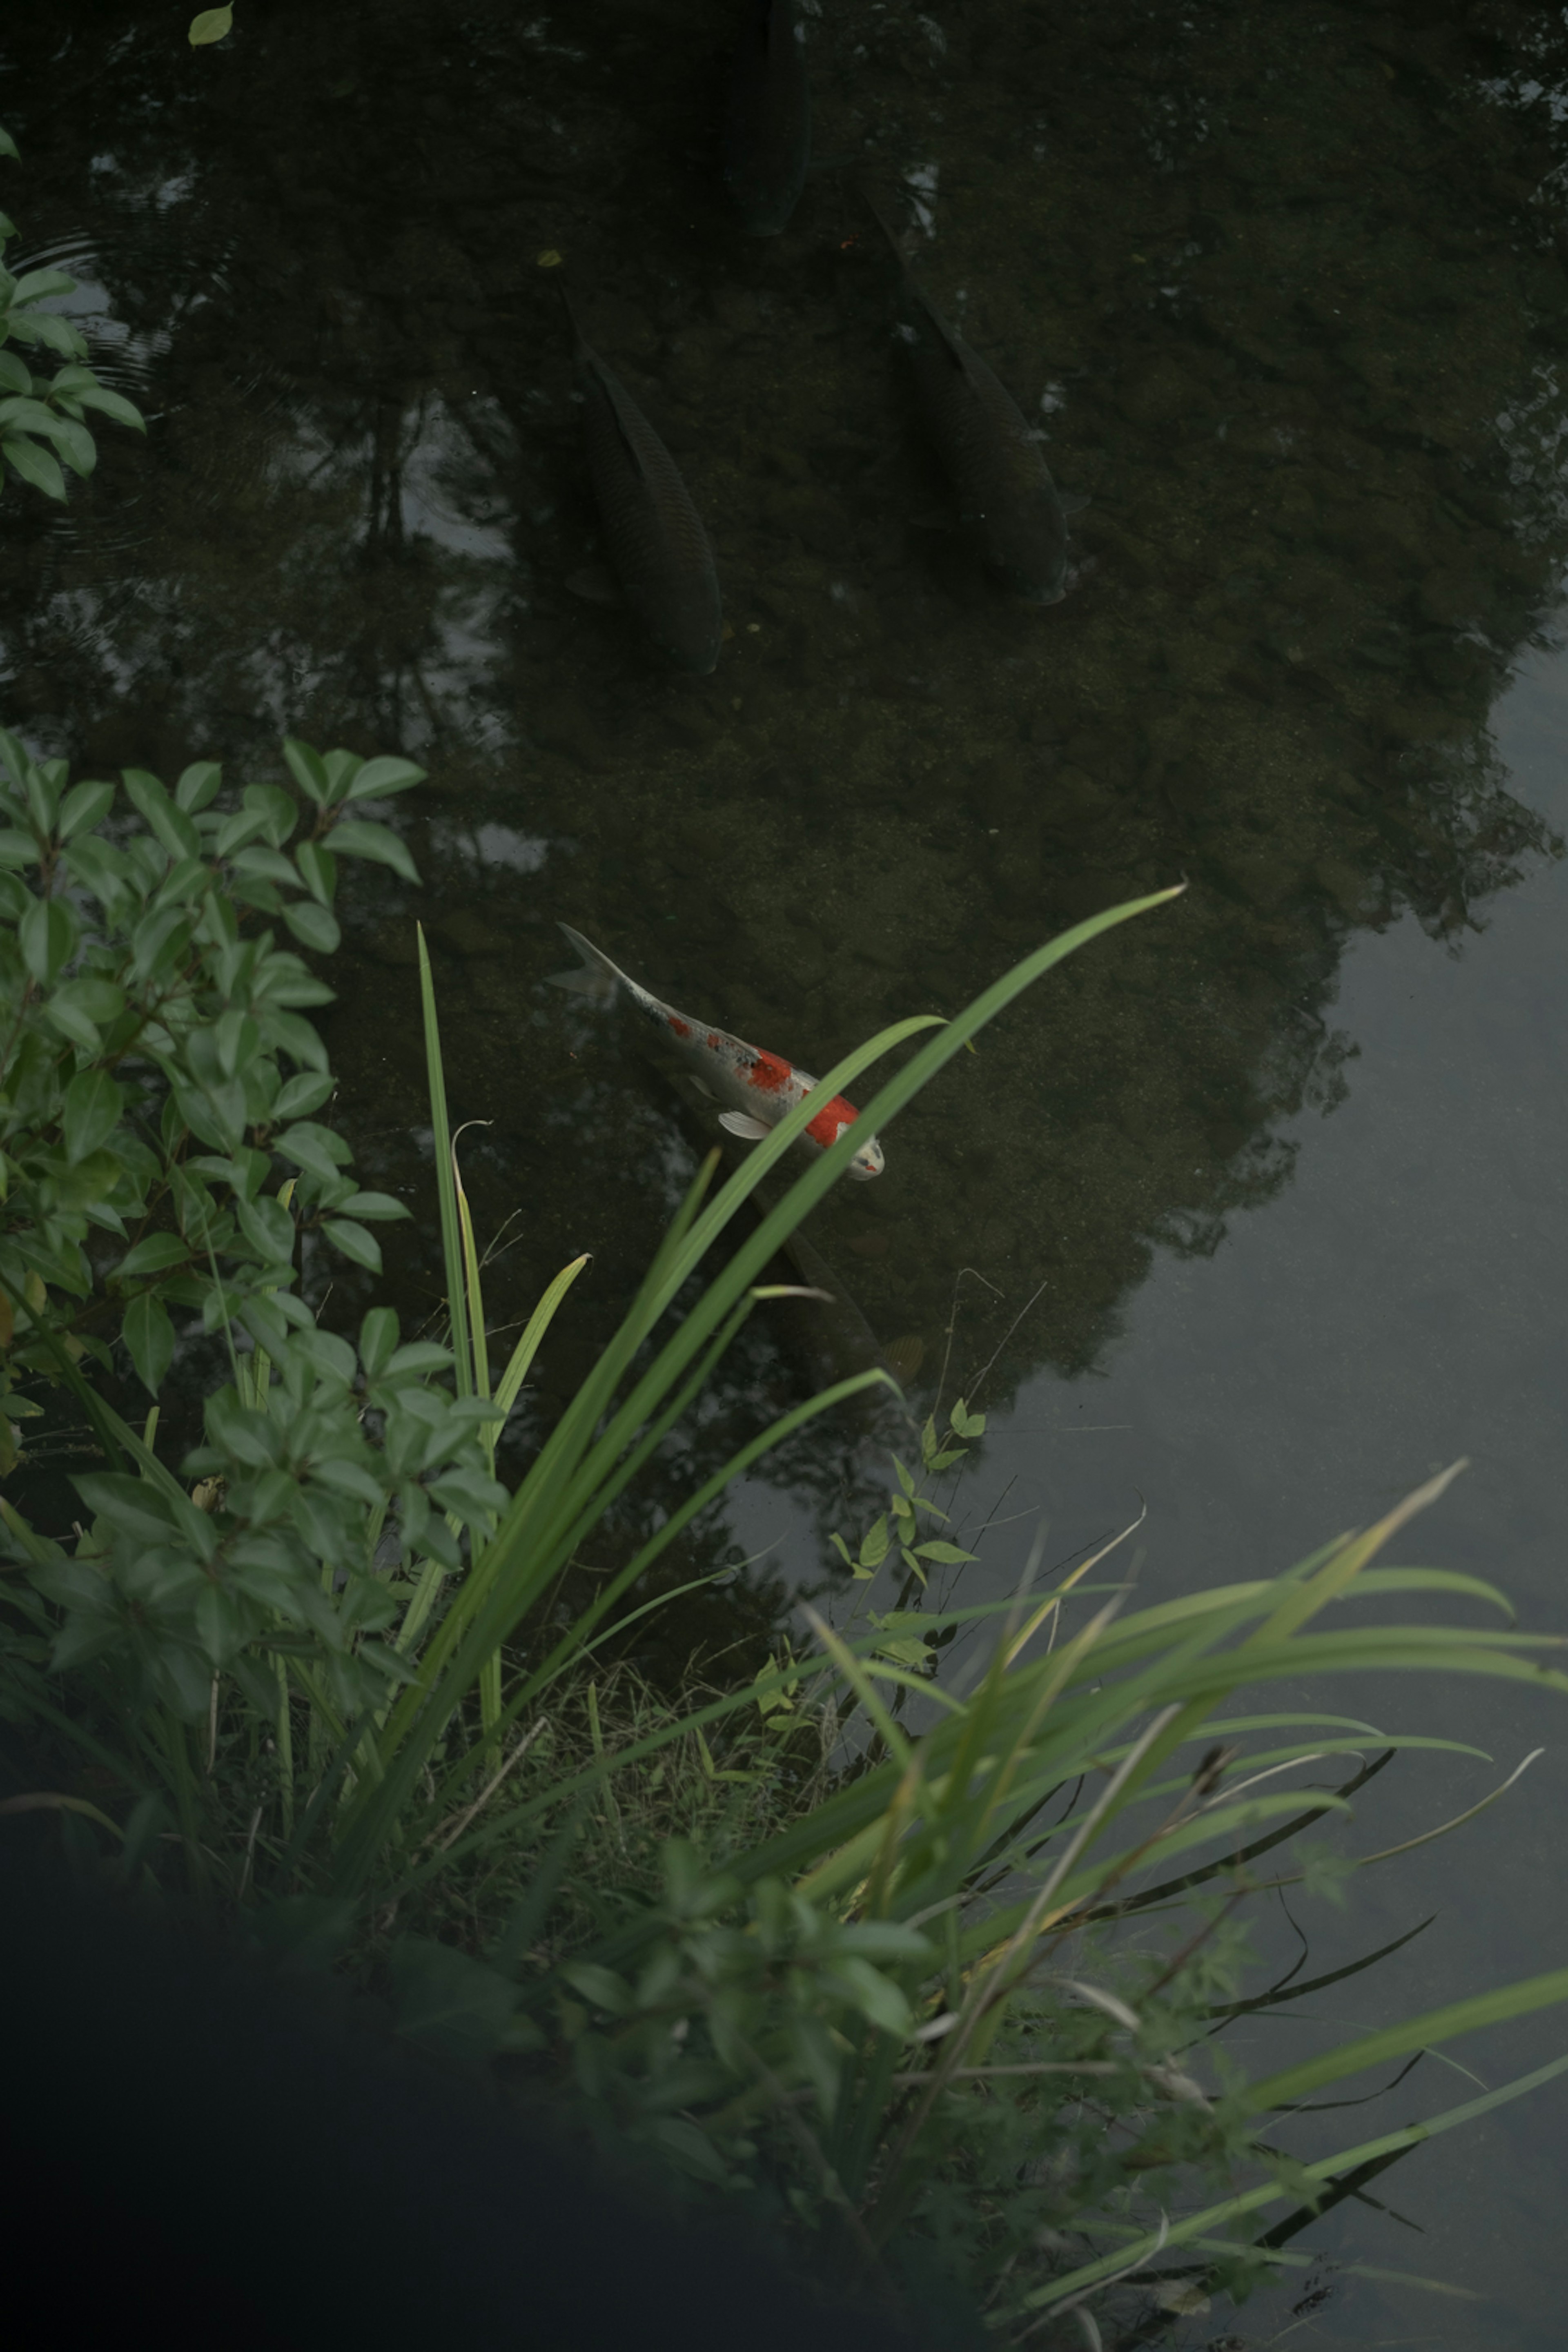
653,532
757,1087
1004,487
767,129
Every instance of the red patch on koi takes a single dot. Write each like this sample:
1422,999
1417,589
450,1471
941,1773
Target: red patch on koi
769,1072
825,1126
712,1041
681,1028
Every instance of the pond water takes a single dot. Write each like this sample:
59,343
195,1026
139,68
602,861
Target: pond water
1252,1214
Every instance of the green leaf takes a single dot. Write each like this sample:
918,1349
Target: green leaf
419,1356
18,850
354,1241
84,807
14,373
33,464
42,286
354,838
198,784
373,1204
48,932
314,927
173,827
93,1105
111,405
874,1551
134,1506
378,778
318,871
76,445
305,767
212,25
279,815
946,1555
378,1337
301,1096
150,1336
315,1148
268,1228
8,145
153,1255
270,865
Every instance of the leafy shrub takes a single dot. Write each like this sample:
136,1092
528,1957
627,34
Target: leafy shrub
43,419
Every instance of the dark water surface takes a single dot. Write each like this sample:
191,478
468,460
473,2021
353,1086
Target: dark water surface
1262,1199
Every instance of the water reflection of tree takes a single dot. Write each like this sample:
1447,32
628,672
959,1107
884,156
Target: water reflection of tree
1302,327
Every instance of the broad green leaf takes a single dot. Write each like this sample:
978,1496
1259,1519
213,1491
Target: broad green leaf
153,1255
14,373
212,25
111,405
134,1506
354,838
18,850
373,1205
76,445
355,1241
420,1356
100,1000
93,1105
301,1095
270,1229
341,768
33,464
198,784
84,807
41,285
272,803
318,871
150,1336
173,827
378,778
315,1148
49,933
269,863
314,927
8,145
47,328
305,767
378,1339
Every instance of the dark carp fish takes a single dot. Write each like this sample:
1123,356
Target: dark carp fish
1005,491
767,129
653,533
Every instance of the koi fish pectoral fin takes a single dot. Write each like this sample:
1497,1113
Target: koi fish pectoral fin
704,1088
595,584
738,1123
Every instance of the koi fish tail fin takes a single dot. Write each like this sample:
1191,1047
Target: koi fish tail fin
597,978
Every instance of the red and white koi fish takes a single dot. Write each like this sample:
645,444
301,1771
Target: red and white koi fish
757,1087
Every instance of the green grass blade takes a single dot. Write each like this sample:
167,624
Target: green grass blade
1271,2192
446,1183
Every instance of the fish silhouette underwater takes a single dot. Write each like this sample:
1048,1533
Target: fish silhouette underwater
653,532
767,126
755,1087
1003,484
